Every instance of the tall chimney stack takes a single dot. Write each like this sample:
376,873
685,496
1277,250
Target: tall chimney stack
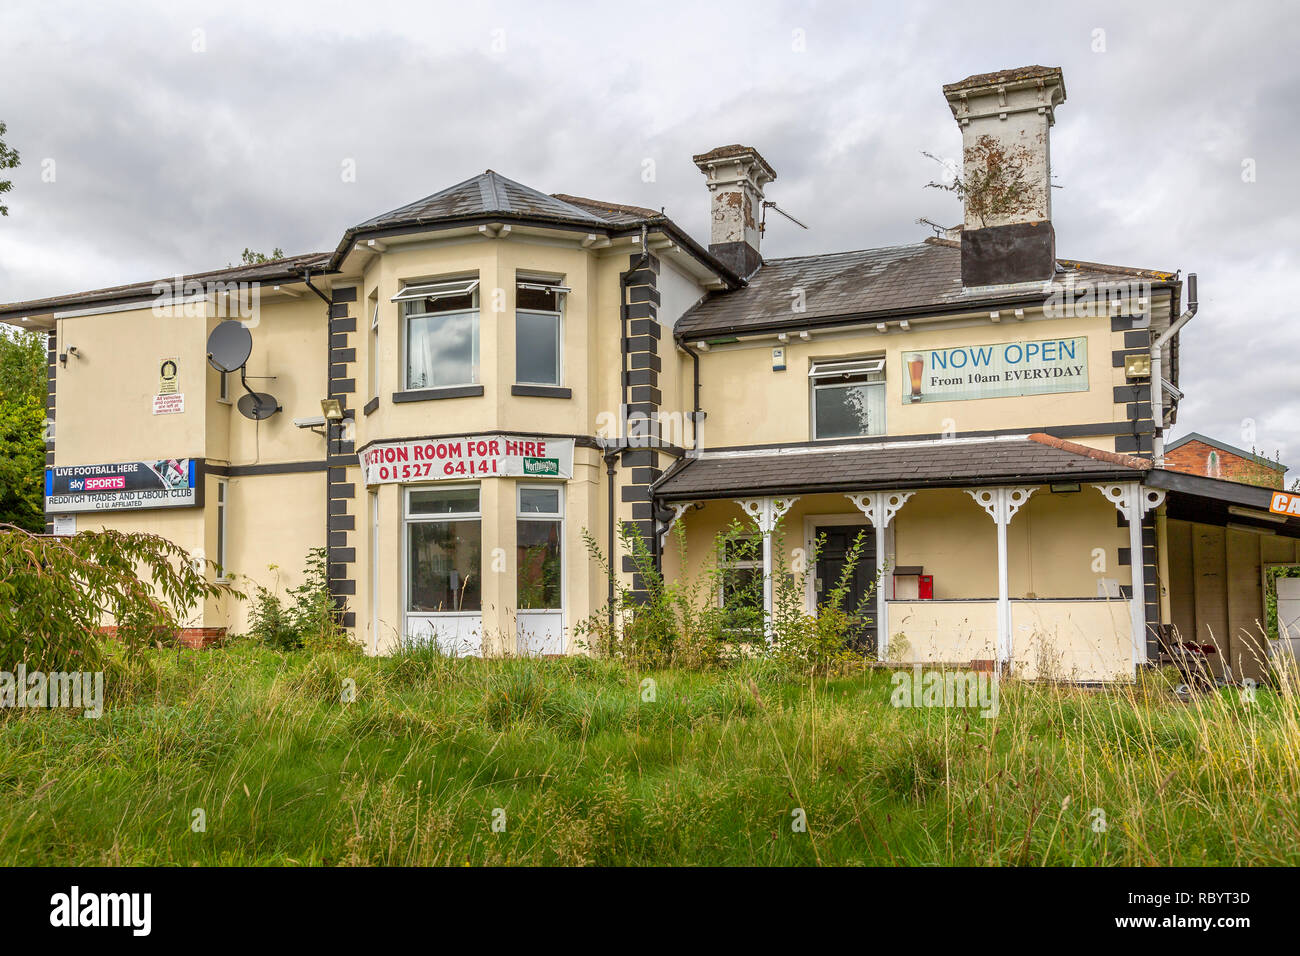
1005,118
737,175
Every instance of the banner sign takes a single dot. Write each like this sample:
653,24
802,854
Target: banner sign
477,456
167,483
1283,503
996,371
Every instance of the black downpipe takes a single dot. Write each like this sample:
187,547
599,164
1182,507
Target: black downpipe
329,428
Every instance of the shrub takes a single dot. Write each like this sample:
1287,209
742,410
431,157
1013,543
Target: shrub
310,620
55,593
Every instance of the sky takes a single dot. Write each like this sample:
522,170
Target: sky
164,138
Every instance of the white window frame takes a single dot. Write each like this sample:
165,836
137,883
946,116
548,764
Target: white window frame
561,293
557,515
832,373
373,501
413,290
755,563
223,540
409,519
373,350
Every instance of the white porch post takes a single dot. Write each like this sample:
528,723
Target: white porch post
1002,505
1133,501
880,508
766,512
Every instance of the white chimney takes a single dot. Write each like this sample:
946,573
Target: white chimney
737,175
1005,119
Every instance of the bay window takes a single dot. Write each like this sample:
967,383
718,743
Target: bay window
444,536
539,305
539,537
441,333
848,397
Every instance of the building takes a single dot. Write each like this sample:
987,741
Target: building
1196,454
513,368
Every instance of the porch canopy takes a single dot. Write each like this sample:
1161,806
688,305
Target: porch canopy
878,476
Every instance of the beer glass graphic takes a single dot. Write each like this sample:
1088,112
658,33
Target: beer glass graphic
914,365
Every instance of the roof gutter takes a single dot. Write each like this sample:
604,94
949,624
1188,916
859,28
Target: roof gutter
1158,384
668,494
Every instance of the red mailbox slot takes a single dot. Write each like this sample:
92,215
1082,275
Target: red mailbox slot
925,587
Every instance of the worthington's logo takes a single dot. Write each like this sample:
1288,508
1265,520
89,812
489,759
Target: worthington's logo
541,466
72,690
102,909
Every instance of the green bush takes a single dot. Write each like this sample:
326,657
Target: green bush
56,593
310,619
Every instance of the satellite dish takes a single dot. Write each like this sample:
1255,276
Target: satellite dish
258,406
229,346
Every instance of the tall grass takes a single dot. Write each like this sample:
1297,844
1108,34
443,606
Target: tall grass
582,761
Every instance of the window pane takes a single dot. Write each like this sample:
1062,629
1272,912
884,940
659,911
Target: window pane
542,299
843,411
742,598
539,565
442,349
540,501
451,501
537,348
444,566
373,357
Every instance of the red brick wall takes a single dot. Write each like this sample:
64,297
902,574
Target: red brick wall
193,637
1193,457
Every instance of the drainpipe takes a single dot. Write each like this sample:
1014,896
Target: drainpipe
1157,376
306,277
611,457
695,411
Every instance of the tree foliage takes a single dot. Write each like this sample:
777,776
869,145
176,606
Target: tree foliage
22,464
55,593
8,160
250,257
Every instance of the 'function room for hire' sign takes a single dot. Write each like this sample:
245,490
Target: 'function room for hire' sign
471,456
996,371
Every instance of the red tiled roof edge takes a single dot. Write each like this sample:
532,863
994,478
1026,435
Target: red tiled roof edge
1128,461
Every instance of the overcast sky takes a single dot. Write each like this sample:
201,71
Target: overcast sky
176,134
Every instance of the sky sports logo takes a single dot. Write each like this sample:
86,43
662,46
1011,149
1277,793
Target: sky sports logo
77,909
116,483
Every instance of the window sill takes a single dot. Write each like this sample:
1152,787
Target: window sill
433,394
370,406
541,391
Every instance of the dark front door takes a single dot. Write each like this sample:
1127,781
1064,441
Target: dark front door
838,541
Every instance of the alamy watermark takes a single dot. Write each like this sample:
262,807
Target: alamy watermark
946,688
38,690
190,298
1069,300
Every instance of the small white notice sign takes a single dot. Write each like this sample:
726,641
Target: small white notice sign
65,524
168,404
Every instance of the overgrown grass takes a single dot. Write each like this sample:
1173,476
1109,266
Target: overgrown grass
581,769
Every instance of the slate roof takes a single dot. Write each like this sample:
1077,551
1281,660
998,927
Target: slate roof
289,268
491,194
892,281
488,194
895,465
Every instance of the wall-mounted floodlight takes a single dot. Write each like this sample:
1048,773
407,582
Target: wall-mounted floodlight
332,409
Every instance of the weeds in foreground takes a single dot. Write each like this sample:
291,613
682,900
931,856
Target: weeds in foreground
436,760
